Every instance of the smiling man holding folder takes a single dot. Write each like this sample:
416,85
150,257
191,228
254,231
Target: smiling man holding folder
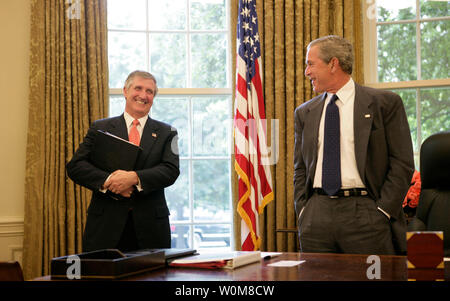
128,209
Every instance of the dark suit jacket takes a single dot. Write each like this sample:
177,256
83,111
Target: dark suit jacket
383,150
157,168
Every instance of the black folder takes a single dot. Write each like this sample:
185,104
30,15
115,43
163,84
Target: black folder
106,264
111,153
169,253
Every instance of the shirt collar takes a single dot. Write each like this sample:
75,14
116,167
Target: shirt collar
346,91
129,119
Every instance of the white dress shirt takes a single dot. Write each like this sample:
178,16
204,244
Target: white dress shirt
129,121
350,177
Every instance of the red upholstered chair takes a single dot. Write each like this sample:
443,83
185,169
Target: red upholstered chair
10,271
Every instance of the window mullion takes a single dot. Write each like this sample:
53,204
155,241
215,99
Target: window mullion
418,42
429,83
229,50
191,171
419,118
419,76
188,44
147,36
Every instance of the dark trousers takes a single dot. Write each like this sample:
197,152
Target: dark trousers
128,241
344,225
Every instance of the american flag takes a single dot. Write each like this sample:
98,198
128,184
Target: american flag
251,161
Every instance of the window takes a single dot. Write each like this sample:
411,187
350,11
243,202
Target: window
185,44
407,51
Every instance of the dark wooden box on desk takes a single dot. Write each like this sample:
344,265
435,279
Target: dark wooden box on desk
107,264
425,255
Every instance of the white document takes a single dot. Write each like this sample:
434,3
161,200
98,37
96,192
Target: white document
286,263
269,255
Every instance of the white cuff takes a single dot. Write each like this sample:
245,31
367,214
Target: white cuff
138,185
104,190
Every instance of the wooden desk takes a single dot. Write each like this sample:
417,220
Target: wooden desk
317,267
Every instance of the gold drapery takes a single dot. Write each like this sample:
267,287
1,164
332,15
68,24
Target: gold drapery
68,90
285,28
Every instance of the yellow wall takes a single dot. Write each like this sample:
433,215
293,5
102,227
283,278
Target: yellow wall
14,62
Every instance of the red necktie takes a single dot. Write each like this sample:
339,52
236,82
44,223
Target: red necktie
134,134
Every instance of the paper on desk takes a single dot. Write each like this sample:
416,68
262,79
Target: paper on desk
286,263
269,255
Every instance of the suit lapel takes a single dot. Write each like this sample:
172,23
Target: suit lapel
311,131
149,136
118,127
362,125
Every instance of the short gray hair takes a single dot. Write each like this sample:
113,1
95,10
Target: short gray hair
142,74
335,46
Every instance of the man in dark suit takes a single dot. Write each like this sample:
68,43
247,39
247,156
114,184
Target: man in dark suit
128,209
353,162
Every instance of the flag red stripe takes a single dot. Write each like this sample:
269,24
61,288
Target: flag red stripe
241,86
256,80
248,245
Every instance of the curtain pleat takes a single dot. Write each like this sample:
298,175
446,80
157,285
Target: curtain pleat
286,27
68,90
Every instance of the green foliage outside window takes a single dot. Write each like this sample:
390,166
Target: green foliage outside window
398,61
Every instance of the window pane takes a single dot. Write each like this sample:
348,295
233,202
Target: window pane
211,190
177,195
435,49
180,236
435,107
167,15
429,9
211,123
388,10
126,53
174,111
212,236
209,60
116,105
168,59
130,16
208,15
409,101
397,52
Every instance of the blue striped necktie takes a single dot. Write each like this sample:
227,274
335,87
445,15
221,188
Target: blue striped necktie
331,168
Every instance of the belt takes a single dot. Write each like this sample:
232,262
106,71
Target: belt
343,192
